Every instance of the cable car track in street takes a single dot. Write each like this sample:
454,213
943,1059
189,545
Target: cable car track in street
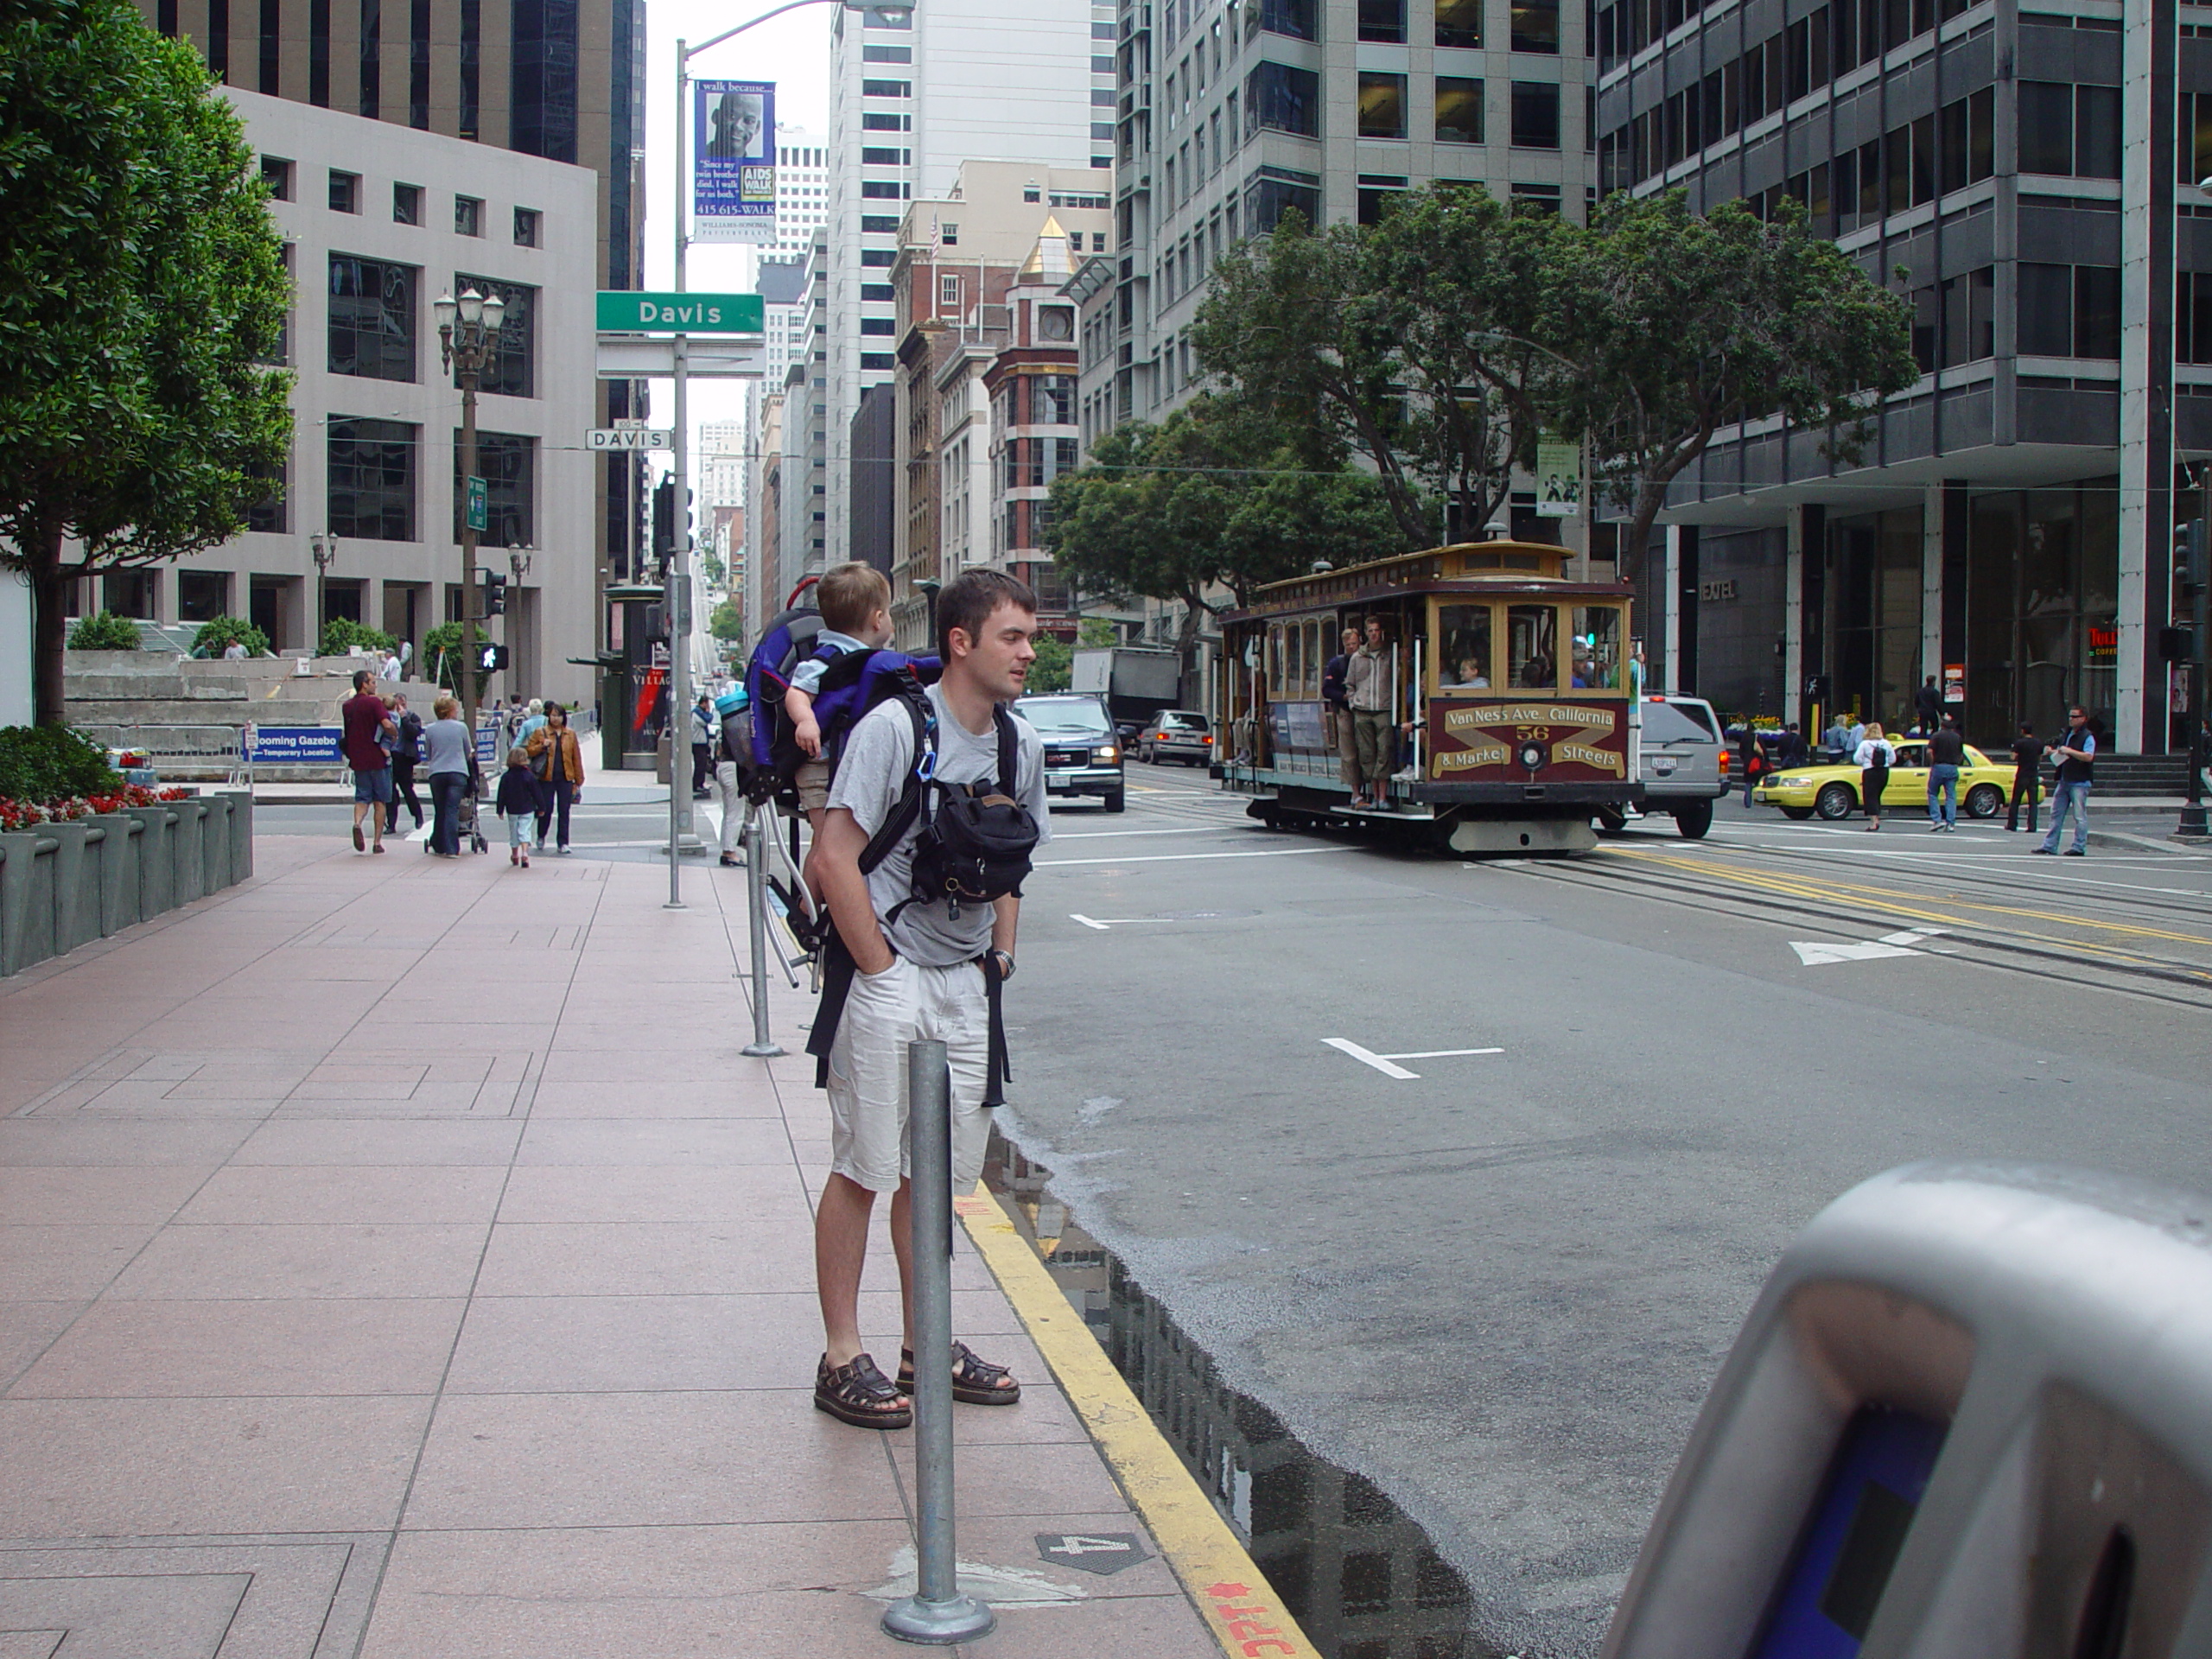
2013,936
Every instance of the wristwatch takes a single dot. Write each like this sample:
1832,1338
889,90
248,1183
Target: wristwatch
1005,960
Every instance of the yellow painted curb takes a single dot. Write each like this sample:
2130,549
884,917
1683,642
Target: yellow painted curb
1230,1594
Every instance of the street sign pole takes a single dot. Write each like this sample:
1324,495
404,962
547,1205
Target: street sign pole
678,573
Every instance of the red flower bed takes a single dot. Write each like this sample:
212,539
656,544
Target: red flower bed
28,815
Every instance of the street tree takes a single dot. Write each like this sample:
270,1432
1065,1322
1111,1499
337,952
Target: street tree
1414,346
1209,500
141,293
1681,324
727,622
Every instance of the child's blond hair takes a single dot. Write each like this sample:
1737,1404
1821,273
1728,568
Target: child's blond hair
850,594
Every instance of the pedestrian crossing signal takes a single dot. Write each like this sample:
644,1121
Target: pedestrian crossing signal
491,659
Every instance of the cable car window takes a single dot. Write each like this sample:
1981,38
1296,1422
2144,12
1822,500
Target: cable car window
1532,646
1294,668
1317,655
1463,641
1597,648
1275,659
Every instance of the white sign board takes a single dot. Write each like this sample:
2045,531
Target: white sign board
1559,479
628,357
629,437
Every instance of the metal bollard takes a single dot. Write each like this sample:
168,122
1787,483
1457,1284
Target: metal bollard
762,1047
937,1613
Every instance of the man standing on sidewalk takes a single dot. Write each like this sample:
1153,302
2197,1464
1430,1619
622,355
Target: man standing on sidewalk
2027,776
2077,755
1367,687
705,730
914,968
363,715
1928,704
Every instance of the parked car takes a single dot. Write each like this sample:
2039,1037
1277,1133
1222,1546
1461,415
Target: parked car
1177,734
1831,790
1082,755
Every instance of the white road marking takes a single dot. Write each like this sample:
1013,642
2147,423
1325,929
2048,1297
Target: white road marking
1820,953
1087,922
1172,858
1387,1063
1100,835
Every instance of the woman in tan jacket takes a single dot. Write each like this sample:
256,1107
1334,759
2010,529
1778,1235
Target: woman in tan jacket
560,773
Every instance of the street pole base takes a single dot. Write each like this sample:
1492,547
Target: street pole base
2193,826
761,1051
938,1623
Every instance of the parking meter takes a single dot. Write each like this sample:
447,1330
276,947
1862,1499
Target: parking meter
1970,1417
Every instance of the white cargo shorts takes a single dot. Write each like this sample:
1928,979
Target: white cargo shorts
883,1012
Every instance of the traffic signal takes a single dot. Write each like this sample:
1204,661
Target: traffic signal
1816,687
665,519
495,593
491,659
2189,559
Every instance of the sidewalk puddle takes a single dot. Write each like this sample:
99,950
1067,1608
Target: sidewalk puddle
1360,1575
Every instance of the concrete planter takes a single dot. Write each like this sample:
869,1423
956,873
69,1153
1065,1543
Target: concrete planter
64,885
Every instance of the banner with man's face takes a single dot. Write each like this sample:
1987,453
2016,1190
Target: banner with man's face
734,168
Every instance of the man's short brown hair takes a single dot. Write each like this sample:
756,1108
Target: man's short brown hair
850,594
969,599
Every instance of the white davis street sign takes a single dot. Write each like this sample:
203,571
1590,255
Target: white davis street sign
629,437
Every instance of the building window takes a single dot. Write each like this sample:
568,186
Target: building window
879,257
2069,130
277,174
878,360
1382,20
886,89
345,192
1291,17
269,514
2068,310
1966,137
874,122
513,372
882,291
467,216
1054,400
1536,26
882,190
879,325
371,472
1535,114
878,225
948,291
1459,109
1969,311
508,465
876,155
407,204
1375,192
1275,191
202,595
1459,22
886,54
1382,105
950,234
525,227
372,318
1280,99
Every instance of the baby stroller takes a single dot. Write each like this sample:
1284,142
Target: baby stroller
468,831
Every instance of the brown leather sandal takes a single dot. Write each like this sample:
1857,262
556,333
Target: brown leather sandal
861,1394
975,1382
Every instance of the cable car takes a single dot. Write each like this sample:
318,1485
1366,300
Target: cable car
1511,694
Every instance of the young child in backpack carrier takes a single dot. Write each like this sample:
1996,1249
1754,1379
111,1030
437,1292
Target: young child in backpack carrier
937,803
519,803
855,603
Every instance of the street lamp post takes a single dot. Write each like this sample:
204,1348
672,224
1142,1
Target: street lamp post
324,546
468,343
677,577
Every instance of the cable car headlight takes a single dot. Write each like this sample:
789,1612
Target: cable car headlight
1532,755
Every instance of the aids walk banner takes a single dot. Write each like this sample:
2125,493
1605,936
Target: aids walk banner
733,166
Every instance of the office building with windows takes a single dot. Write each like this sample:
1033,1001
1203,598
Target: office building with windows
378,222
2022,178
1230,113
802,539
913,97
563,80
802,191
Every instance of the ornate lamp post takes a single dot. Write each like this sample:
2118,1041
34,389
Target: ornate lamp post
468,343
324,547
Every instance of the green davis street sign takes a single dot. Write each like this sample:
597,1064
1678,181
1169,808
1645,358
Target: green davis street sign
629,311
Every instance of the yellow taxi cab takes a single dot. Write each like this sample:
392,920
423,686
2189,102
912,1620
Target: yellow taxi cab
1830,789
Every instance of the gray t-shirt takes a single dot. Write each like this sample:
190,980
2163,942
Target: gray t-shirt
872,775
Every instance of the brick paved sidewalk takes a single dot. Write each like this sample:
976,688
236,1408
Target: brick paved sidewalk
398,1257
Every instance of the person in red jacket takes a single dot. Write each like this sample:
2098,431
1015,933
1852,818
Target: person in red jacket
365,718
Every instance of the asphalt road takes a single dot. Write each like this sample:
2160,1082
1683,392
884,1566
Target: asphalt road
1500,1286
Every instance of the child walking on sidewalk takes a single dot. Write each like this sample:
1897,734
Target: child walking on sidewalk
519,803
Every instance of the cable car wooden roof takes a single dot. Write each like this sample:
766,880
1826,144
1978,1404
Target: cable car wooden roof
1464,567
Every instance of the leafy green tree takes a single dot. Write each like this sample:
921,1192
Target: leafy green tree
1678,325
105,631
215,636
140,291
53,763
440,654
727,621
1202,502
1055,665
1096,632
